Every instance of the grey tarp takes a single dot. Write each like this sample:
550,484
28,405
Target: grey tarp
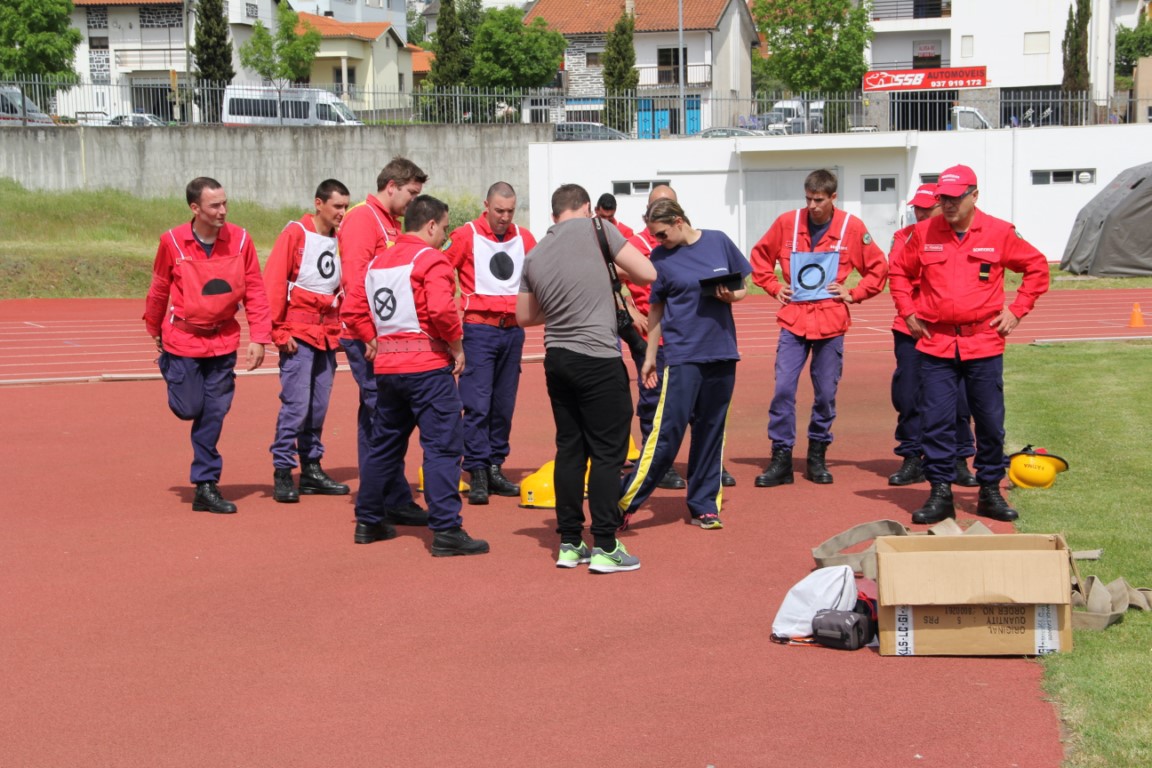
1112,235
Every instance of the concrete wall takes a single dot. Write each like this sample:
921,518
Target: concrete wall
276,166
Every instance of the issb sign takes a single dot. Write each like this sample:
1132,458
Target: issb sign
946,78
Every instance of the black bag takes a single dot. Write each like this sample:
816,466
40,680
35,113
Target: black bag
845,630
625,326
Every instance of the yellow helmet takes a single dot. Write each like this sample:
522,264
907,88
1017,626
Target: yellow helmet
537,490
1034,468
464,487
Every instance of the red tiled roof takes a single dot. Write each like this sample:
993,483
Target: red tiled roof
330,27
576,17
421,59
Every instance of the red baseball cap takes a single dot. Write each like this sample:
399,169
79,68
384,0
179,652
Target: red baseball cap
955,181
925,197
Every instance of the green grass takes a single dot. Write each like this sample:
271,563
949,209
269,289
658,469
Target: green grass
1085,403
101,243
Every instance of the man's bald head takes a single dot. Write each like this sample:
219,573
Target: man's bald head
661,192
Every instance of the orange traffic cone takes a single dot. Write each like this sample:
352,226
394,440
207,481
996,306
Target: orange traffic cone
1137,319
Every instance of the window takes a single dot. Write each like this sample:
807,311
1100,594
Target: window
337,78
400,83
879,183
297,110
98,43
324,112
254,107
668,65
251,10
636,187
1074,176
967,46
1036,43
929,178
592,59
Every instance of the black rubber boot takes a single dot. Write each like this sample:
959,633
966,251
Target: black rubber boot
910,472
499,485
779,471
208,499
478,487
817,470
938,507
283,487
314,480
992,504
456,541
964,476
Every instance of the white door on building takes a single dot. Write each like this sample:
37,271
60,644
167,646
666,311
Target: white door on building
880,208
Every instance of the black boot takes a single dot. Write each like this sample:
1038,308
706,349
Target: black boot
964,477
283,487
991,504
208,499
478,487
779,471
456,541
500,485
672,481
910,472
314,480
367,533
726,479
938,507
413,514
817,470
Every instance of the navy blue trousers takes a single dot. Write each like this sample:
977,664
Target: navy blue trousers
488,388
906,401
695,395
399,494
200,390
592,407
305,391
983,382
405,401
792,352
648,398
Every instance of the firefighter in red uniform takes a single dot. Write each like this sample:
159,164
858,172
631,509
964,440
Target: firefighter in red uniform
488,255
816,248
960,323
302,276
606,209
367,231
203,271
405,313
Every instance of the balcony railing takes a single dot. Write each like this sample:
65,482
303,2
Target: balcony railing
133,59
888,10
905,64
695,75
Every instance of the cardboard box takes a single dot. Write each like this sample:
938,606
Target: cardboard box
974,595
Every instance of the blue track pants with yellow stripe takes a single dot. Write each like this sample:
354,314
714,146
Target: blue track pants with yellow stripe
694,395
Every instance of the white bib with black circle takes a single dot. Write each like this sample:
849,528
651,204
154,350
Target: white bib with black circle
497,265
320,264
391,299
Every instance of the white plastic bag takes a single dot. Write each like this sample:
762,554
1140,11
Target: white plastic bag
833,587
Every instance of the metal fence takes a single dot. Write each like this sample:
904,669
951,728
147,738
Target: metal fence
647,113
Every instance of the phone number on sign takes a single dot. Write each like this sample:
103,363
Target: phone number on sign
955,83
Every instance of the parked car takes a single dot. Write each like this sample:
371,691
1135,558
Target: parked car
17,110
138,120
587,132
724,133
261,105
969,119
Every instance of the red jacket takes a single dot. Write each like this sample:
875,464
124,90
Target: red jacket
818,319
164,308
311,317
644,243
367,230
905,304
460,255
434,291
962,283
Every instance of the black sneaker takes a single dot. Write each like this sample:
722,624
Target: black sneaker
367,533
413,514
456,541
208,499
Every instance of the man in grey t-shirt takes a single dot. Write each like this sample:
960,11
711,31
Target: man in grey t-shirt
565,285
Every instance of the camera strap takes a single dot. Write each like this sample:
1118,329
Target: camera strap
617,286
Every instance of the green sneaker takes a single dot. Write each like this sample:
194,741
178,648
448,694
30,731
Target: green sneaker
572,555
611,562
708,522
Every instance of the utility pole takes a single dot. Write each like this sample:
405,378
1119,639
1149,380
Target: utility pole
681,65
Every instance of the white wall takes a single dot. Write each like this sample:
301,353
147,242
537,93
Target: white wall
709,174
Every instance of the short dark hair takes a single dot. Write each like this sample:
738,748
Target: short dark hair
197,186
569,197
607,201
500,189
423,209
822,180
400,171
330,186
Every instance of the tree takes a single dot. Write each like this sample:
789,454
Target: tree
285,57
470,14
417,27
815,45
450,67
36,39
620,74
506,53
1132,45
1075,46
213,52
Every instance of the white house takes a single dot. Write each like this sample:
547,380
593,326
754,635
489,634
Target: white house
718,37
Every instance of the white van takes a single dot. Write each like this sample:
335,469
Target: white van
263,105
17,110
969,119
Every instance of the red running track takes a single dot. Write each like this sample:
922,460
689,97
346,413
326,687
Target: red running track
136,632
